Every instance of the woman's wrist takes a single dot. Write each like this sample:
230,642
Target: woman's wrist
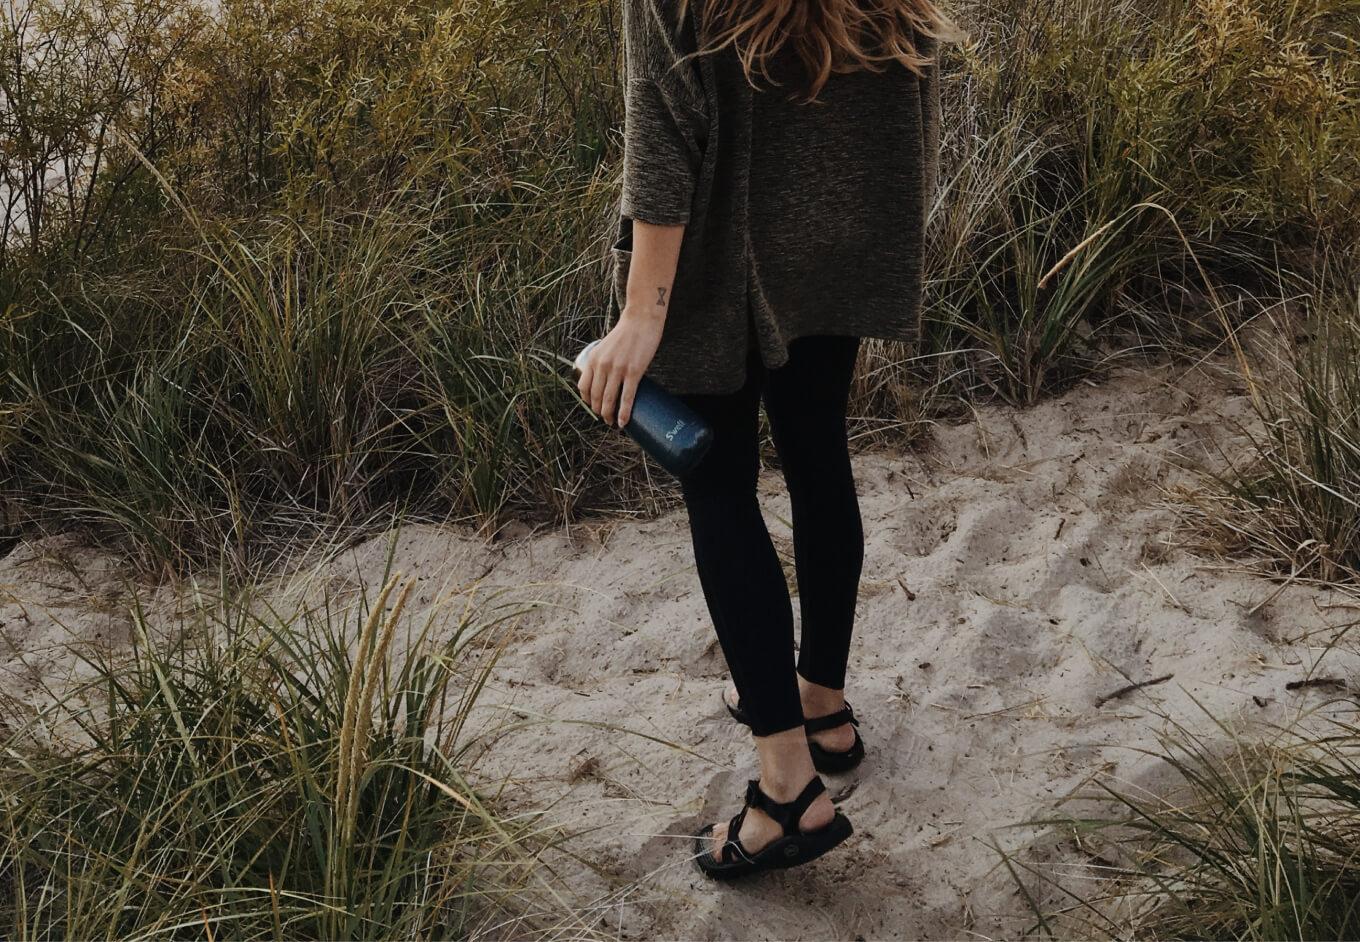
656,256
643,313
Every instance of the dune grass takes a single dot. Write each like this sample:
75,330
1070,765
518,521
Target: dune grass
1169,142
1288,501
1255,838
264,774
318,263
363,235
1268,848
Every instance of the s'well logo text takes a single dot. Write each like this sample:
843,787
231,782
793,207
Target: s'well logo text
670,436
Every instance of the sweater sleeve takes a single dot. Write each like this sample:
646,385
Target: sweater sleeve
665,128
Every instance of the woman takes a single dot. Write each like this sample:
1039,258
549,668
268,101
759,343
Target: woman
779,161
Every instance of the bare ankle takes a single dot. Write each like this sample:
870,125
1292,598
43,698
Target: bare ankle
819,700
785,764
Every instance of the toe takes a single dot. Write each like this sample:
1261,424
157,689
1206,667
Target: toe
719,839
731,697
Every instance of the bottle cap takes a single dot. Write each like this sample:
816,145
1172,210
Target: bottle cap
585,355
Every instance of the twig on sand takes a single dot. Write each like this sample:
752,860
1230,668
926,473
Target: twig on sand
1124,691
1316,682
911,596
1162,585
1293,577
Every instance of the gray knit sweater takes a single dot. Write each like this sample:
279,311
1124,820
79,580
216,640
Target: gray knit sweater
808,216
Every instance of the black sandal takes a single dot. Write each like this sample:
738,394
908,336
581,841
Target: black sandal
827,761
794,847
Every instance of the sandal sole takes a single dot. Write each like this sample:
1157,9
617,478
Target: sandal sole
780,854
837,763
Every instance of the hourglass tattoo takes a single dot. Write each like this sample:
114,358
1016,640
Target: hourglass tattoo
661,297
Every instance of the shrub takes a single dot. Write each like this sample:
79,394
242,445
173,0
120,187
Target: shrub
1196,137
1291,502
280,776
1253,841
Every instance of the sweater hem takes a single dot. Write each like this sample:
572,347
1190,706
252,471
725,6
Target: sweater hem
686,380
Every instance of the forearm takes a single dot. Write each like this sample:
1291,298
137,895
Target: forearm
651,275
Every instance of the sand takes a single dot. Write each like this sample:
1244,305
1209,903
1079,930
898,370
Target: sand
1018,569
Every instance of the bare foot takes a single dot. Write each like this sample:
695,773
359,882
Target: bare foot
817,701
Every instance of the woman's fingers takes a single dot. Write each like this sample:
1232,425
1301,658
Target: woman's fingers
630,385
609,380
597,384
583,384
611,395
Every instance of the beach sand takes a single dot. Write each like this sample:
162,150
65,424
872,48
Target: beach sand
1019,568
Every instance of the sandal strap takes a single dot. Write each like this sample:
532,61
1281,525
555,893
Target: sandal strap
785,814
822,723
733,842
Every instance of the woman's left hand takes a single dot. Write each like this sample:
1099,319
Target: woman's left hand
610,378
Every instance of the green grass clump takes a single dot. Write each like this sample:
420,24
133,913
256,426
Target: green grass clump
1188,148
260,776
311,375
361,236
1291,501
1253,841
1272,841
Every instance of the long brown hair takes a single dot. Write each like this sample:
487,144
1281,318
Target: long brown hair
829,36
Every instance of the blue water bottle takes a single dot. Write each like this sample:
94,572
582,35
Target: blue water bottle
667,429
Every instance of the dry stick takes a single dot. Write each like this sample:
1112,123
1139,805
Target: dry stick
1066,259
1316,682
1162,585
1124,691
1280,590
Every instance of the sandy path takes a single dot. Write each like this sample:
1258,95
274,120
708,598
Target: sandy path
1016,571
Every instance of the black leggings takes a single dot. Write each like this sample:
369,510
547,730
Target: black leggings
741,575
